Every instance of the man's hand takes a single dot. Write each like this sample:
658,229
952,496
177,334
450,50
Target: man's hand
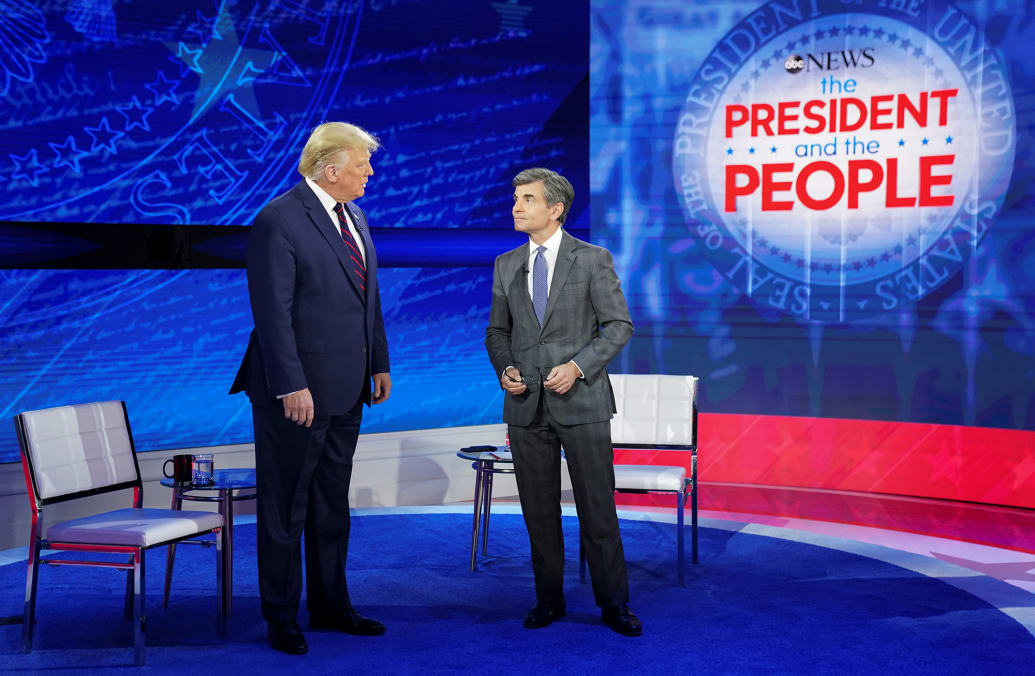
561,378
382,387
298,406
511,381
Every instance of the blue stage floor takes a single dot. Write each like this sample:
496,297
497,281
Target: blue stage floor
762,600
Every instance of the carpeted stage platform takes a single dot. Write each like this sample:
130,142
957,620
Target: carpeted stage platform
762,600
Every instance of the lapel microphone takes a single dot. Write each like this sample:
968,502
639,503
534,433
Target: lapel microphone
360,223
356,220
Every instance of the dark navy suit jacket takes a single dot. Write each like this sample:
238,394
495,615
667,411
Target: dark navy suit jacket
315,326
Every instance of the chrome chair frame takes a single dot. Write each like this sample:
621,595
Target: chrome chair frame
134,607
689,489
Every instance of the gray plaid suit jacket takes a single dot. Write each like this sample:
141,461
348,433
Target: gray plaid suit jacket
586,320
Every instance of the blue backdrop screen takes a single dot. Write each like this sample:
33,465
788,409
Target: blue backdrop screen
194,113
762,228
822,207
169,343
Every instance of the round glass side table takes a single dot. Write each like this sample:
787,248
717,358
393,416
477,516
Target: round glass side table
228,486
485,463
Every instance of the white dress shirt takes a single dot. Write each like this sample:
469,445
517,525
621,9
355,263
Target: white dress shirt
329,203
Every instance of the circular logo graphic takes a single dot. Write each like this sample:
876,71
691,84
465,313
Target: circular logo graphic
837,166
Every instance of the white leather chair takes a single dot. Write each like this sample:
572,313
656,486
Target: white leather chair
657,412
72,452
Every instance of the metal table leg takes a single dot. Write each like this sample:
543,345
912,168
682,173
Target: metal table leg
226,508
170,556
220,587
477,511
486,508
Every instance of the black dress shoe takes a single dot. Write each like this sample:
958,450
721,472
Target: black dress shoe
622,620
287,638
544,614
349,622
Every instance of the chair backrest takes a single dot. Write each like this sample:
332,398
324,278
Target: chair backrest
71,451
654,411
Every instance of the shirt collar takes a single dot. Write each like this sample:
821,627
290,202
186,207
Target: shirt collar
552,245
326,200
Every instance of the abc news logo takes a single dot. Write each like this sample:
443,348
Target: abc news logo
836,60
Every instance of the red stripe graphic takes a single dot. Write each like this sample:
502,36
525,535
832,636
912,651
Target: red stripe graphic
352,246
953,462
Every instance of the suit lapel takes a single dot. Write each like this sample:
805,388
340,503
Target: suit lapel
519,284
561,268
319,218
359,219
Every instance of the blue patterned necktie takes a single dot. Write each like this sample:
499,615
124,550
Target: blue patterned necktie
539,291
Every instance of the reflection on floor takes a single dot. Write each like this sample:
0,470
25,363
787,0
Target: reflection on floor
995,541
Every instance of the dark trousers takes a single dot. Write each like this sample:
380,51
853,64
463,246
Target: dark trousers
302,484
537,460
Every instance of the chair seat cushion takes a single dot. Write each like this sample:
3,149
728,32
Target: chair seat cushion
134,527
649,477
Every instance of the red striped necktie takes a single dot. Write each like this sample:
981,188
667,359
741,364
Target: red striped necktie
350,246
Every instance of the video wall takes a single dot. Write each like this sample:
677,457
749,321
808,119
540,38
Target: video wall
824,208
193,114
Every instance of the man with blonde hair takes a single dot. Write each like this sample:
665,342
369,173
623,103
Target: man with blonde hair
318,353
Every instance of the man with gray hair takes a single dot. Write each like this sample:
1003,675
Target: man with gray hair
558,316
318,353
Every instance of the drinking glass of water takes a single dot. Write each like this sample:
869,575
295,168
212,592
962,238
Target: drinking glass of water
202,473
